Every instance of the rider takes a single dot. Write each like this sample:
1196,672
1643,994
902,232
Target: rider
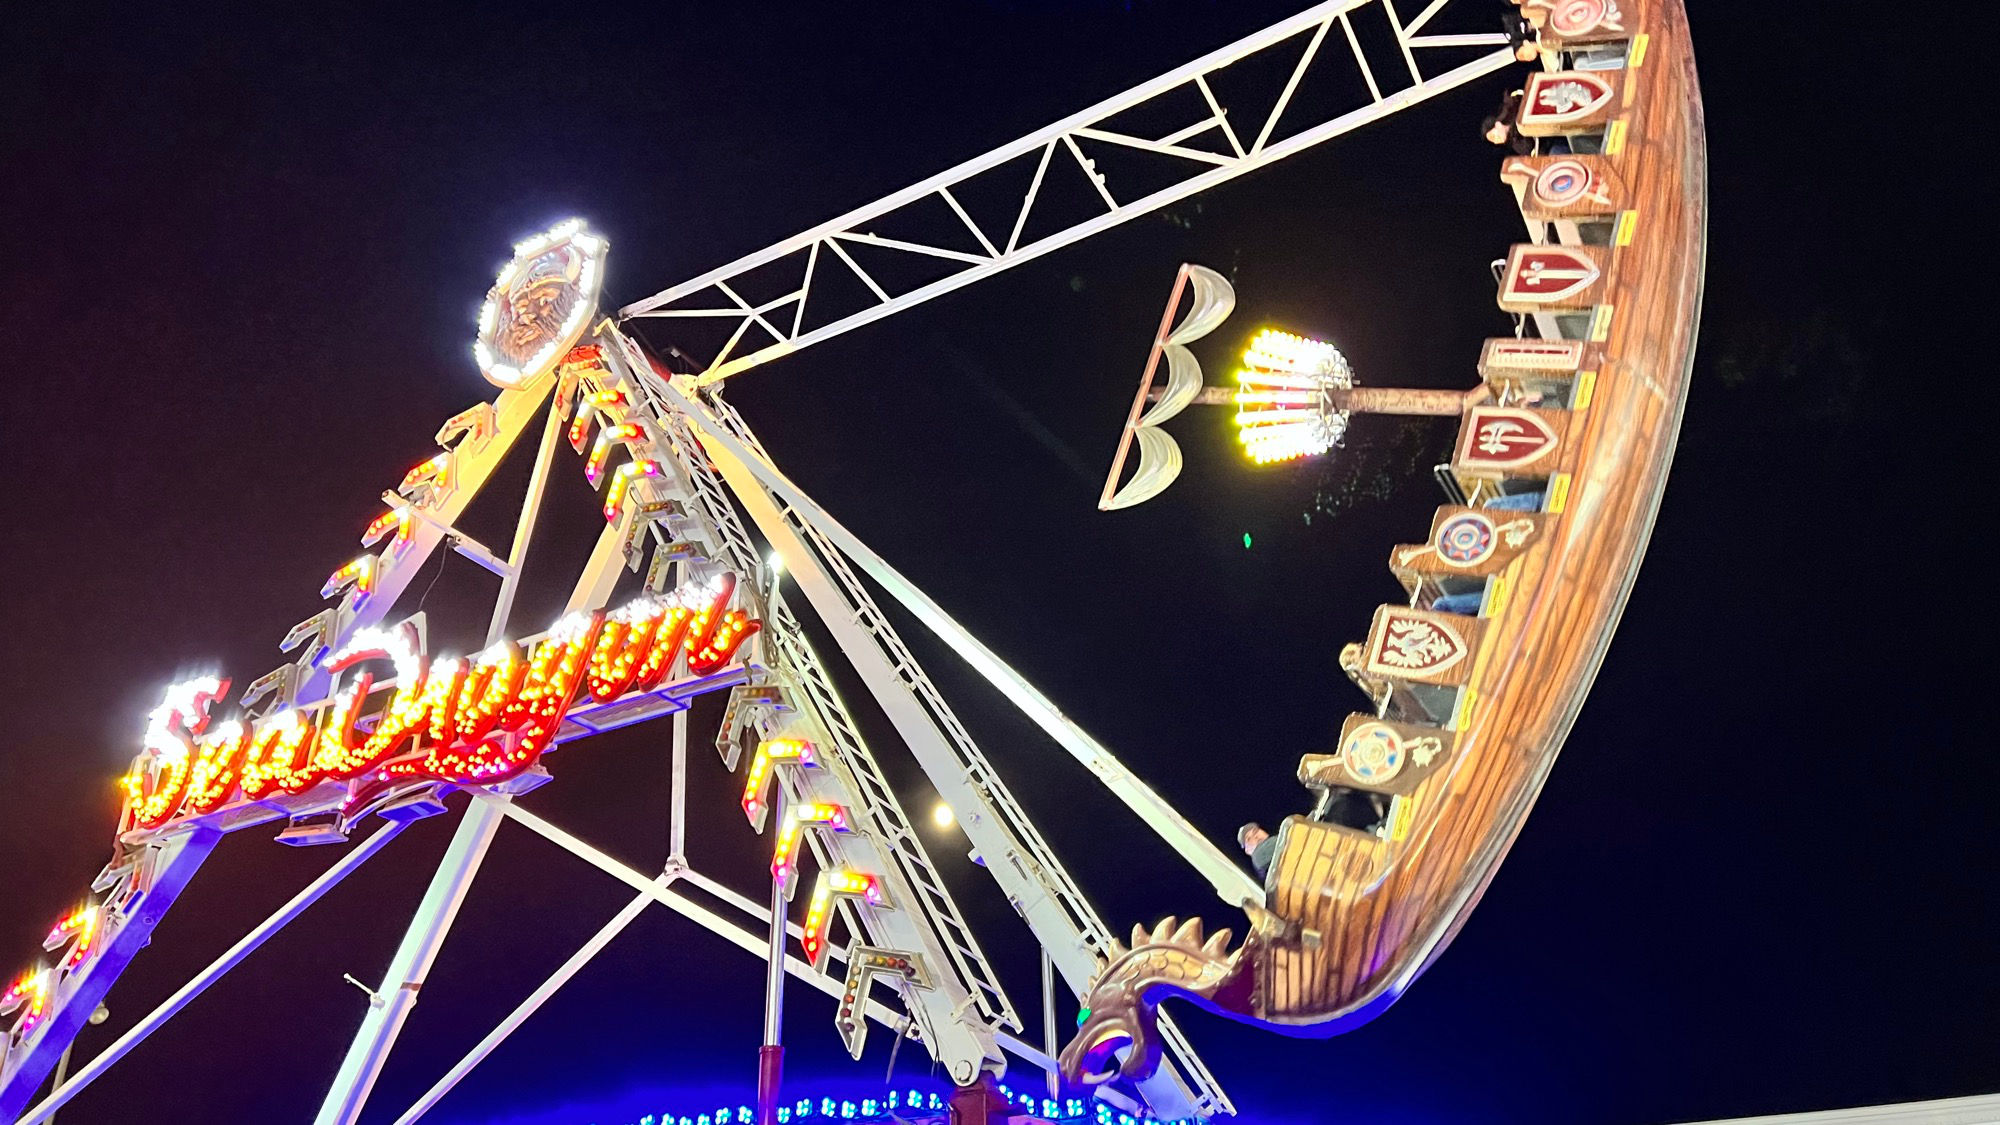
1349,808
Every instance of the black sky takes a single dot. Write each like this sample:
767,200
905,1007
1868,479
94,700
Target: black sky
247,250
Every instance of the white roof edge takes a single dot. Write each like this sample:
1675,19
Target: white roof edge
1980,1110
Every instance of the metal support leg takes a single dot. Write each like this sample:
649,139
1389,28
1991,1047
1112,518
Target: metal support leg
175,864
411,964
527,1007
1049,1042
980,1103
771,1056
677,810
64,1091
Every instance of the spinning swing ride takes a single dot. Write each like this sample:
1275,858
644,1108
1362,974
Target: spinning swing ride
1562,455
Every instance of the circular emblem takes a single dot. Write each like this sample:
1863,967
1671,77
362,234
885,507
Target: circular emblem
1575,17
1373,754
540,304
1466,539
1562,183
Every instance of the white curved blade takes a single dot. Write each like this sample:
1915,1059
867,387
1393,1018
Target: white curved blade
1159,464
1183,383
1214,300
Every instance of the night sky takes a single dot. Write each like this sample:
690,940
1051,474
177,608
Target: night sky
248,251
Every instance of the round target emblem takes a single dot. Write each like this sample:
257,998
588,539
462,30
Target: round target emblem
1374,754
1466,539
1562,183
1577,17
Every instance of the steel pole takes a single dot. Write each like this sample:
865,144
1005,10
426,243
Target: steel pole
771,1055
435,914
528,1007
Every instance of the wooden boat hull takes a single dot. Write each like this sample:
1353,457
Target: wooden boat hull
1352,917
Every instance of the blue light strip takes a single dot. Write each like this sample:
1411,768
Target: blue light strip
907,1107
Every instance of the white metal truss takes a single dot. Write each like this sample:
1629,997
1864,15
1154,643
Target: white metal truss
1067,927
964,980
1014,852
1209,149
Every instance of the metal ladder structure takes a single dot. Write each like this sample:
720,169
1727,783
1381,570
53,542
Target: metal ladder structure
1036,883
850,776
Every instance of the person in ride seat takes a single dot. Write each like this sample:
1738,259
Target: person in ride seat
1257,843
1349,808
1521,37
1498,127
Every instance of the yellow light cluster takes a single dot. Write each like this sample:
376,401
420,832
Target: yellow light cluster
435,474
757,779
359,574
785,857
819,914
1284,409
78,930
614,499
397,520
31,991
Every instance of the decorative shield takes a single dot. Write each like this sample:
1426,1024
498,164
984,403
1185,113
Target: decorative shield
1576,19
540,304
1413,644
1373,754
1544,276
1564,101
1501,438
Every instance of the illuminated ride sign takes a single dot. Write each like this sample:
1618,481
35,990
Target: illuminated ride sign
474,720
397,727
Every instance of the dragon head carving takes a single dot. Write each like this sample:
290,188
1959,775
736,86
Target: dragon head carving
1118,1029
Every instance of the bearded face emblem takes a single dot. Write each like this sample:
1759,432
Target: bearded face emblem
540,305
537,304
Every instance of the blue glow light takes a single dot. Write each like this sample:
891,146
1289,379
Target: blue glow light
908,1107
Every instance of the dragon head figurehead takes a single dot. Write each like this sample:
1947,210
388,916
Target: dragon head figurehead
1121,1011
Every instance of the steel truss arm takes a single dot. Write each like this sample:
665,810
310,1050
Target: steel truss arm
959,1016
1209,149
1028,871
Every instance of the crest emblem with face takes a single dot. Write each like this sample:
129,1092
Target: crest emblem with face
540,305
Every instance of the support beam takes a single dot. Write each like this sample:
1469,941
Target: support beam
29,1063
1366,400
755,338
411,964
397,993
590,949
751,941
1400,400
328,879
750,475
